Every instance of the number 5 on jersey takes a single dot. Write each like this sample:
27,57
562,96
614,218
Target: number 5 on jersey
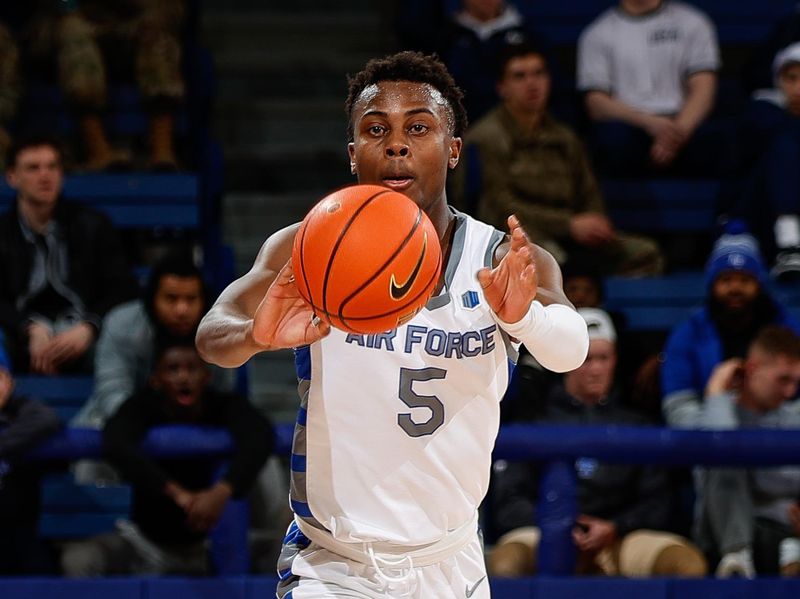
412,399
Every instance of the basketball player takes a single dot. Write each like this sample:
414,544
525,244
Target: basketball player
393,441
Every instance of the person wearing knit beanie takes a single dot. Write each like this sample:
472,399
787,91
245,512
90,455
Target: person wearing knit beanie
737,252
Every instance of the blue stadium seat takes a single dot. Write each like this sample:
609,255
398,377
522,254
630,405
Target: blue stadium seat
659,303
70,510
134,201
65,394
663,205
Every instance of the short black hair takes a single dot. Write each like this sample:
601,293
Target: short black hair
177,262
169,343
35,139
417,68
515,50
584,267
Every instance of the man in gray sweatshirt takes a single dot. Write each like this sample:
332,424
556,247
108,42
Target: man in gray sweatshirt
753,516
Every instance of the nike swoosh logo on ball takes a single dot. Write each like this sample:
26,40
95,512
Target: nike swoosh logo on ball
398,292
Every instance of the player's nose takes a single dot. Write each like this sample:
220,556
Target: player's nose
397,146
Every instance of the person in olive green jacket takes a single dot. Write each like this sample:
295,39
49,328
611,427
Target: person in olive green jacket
535,167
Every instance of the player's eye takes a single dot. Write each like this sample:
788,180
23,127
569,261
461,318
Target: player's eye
376,130
418,128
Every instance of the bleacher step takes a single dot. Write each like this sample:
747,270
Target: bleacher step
249,218
282,32
307,123
288,168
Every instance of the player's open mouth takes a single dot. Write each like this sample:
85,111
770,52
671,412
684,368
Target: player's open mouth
398,183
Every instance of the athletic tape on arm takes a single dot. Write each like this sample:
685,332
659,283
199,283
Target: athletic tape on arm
555,335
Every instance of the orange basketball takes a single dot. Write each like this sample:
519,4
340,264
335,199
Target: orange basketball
366,259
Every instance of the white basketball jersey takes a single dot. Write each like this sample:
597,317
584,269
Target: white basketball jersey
395,435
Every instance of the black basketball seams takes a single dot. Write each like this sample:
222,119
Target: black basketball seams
400,309
336,315
338,243
381,269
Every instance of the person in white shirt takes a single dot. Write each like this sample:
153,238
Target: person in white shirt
648,72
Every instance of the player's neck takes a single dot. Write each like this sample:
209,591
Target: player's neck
446,243
445,240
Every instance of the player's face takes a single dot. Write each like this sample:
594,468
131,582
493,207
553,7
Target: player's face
772,380
37,175
735,291
403,140
525,86
181,376
789,81
178,303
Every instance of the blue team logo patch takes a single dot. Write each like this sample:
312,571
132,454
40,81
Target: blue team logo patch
470,300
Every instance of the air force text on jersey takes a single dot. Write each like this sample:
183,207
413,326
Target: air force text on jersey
434,342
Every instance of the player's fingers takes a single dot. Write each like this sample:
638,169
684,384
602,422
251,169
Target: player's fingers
519,238
513,222
484,276
286,275
528,275
525,253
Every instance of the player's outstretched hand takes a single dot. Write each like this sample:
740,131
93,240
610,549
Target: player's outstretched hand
511,286
284,319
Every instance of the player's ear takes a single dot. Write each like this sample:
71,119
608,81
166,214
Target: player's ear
455,152
351,151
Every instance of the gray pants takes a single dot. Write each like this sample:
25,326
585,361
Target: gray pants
127,551
724,521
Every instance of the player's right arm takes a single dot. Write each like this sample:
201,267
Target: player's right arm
259,311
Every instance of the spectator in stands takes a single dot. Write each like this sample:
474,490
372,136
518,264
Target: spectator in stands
10,86
63,265
175,501
770,200
474,39
738,305
648,72
535,167
94,38
24,422
530,383
174,301
624,510
583,284
751,517
757,72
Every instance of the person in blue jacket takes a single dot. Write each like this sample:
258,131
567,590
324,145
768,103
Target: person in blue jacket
738,304
24,423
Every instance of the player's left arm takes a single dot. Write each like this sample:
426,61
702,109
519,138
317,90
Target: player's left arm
525,292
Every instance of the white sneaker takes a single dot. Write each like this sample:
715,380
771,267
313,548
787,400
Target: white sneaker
737,564
789,552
